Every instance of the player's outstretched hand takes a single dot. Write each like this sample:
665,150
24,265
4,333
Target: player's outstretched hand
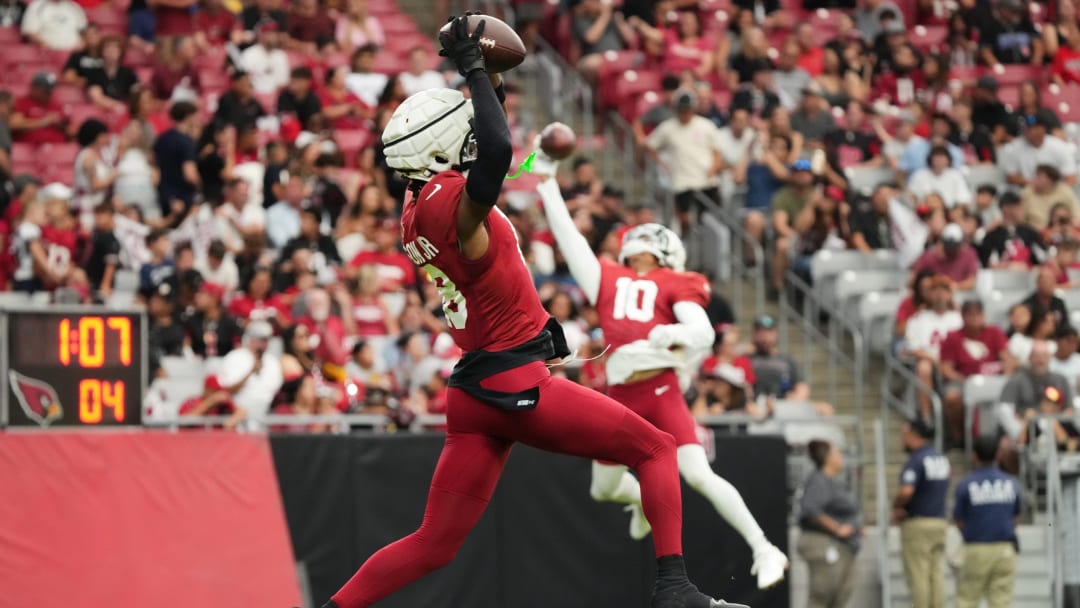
460,47
543,165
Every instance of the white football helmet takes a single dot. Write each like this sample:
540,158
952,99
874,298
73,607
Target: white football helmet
657,240
430,132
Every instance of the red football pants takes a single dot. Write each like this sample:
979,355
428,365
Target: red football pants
660,401
569,419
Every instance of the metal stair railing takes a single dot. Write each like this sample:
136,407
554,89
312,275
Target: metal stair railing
895,369
566,96
739,270
882,513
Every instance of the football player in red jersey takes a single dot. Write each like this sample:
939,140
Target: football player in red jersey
653,317
456,153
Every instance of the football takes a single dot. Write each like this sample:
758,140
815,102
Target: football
502,47
558,141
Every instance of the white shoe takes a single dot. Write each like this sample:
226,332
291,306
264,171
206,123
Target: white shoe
639,525
770,565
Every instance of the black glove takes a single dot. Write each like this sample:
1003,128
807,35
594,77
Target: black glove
460,47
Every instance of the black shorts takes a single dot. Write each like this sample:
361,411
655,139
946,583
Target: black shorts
688,200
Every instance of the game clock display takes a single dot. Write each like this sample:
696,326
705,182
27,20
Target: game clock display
71,367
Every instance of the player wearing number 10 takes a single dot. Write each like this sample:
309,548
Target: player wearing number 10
653,317
455,153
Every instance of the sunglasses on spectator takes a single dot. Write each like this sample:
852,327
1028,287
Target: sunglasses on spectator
1062,221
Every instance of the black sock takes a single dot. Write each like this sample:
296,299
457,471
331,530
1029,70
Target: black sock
671,573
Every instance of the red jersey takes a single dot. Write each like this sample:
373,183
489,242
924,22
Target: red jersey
980,354
33,110
394,270
630,305
216,25
61,247
1066,64
246,307
490,302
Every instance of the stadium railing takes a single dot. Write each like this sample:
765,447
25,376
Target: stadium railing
720,224
882,494
898,384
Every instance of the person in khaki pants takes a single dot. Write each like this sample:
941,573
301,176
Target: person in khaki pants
830,529
919,508
987,505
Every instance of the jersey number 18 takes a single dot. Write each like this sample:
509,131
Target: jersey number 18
635,299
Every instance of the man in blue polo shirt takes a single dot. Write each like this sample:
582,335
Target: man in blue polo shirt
919,507
987,505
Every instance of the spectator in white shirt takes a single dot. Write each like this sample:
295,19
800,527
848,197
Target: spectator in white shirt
925,332
252,375
1066,361
56,24
940,177
219,267
363,81
283,217
686,146
734,142
1020,157
265,61
420,77
241,214
1041,328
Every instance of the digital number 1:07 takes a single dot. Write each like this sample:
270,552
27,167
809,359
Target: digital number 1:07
87,341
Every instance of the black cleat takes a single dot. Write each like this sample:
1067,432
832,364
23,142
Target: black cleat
689,597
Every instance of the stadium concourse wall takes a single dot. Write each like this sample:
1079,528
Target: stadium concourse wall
542,543
204,519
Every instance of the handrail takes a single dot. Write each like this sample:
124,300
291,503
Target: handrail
882,513
742,238
1054,510
572,85
895,366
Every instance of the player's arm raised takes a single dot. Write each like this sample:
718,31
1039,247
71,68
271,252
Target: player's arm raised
579,256
693,330
494,152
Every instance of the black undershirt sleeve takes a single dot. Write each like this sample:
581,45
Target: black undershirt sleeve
494,152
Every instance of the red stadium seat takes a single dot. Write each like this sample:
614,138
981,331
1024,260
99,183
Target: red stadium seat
65,94
1007,75
21,55
966,74
213,81
59,154
135,56
144,73
351,142
631,85
397,24
403,42
1010,96
10,35
79,113
24,153
65,174
646,102
268,101
929,38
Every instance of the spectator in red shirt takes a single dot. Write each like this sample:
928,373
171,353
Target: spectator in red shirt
811,54
216,26
176,71
330,329
1066,66
974,349
38,118
370,314
900,84
394,269
257,303
172,18
341,107
683,46
951,257
309,27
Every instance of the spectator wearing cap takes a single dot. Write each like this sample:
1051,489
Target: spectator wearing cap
987,109
252,375
283,217
924,333
38,118
1046,190
975,349
870,224
598,28
940,177
919,508
54,24
266,61
1013,244
777,374
104,250
298,98
309,27
985,510
1066,360
662,111
1045,299
94,176
174,77
791,80
686,147
724,390
238,107
1021,157
812,118
213,401
1009,37
420,77
952,258
1026,388
175,156
211,331
787,204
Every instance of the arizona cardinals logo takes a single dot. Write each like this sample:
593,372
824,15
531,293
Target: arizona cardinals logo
39,401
